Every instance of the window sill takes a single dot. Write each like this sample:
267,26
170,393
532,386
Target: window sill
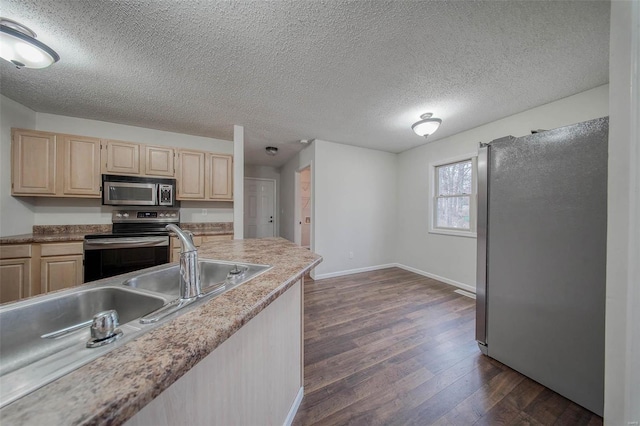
467,234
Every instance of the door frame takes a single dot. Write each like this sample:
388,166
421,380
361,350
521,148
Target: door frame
297,227
276,221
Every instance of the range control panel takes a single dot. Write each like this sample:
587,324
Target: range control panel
163,215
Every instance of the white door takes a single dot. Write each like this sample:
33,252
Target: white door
259,208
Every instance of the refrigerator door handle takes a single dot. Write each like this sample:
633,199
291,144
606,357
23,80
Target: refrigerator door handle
481,265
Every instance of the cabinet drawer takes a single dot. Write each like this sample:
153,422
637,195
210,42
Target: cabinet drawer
14,251
61,249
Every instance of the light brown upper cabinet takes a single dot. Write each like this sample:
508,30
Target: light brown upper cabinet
159,161
204,176
121,158
191,175
220,177
128,158
49,164
34,163
54,165
81,166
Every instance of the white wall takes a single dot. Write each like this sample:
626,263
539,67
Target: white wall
102,129
449,258
622,334
62,211
16,214
355,207
267,172
238,179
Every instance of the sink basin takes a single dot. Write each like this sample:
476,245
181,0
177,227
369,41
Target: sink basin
37,330
44,338
214,274
47,334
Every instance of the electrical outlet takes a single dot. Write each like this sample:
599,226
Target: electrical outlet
204,212
350,255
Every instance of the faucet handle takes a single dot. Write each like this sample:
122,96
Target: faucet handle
104,329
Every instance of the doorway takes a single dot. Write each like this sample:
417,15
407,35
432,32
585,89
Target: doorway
303,209
259,208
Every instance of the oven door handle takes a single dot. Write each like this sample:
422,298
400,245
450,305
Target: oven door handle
125,243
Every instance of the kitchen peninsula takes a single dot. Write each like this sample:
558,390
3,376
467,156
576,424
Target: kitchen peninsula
236,358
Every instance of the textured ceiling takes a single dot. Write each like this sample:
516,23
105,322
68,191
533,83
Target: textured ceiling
353,72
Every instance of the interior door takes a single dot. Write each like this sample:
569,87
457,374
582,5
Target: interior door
259,208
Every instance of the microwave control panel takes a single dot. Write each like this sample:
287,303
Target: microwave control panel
165,195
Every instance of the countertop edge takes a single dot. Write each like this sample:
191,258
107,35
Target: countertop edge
128,410
153,366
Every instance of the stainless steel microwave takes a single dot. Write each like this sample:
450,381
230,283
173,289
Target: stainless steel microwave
138,191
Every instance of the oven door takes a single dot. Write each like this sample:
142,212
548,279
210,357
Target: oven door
129,194
107,257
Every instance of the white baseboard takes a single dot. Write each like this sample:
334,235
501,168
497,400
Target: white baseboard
353,271
454,283
437,277
294,407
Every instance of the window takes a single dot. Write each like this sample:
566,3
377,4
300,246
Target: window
453,201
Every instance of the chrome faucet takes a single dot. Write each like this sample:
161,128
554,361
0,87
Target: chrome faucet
189,272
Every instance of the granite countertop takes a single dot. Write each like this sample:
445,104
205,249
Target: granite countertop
69,233
113,388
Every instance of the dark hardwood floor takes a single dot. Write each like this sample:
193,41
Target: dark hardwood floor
391,347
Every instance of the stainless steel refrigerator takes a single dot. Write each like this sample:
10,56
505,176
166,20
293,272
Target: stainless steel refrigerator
542,228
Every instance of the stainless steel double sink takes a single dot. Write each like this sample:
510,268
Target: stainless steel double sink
44,338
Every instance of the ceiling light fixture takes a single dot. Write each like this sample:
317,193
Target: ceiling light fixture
427,126
19,46
271,150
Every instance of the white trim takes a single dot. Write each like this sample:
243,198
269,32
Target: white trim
473,197
294,407
465,293
443,231
353,271
444,280
437,278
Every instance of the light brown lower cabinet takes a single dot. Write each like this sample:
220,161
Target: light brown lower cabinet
60,266
15,272
31,269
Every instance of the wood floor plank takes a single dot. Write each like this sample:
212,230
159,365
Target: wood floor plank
391,347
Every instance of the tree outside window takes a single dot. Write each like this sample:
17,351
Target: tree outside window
453,200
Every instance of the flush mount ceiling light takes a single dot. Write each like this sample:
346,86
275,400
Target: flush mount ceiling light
271,150
19,46
427,125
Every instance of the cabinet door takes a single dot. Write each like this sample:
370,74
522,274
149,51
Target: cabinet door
191,175
122,158
159,161
58,272
33,163
15,279
220,177
81,166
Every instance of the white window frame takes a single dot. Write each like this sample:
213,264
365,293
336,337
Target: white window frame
473,198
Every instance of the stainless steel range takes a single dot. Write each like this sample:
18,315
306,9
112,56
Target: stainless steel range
138,240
